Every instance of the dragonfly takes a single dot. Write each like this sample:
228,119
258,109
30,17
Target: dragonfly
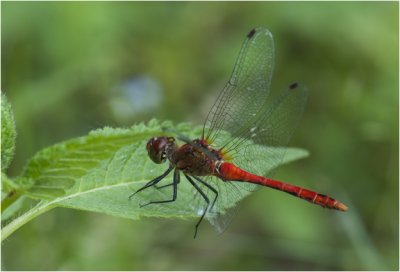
243,140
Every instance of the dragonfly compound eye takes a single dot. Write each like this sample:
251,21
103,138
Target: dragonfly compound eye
157,149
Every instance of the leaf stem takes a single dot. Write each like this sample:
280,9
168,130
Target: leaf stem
41,207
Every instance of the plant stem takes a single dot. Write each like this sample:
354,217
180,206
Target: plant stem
41,207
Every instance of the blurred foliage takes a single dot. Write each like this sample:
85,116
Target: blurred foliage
68,68
7,133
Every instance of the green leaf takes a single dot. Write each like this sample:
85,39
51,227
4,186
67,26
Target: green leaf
100,171
8,133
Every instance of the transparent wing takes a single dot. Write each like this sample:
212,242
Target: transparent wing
247,90
259,150
259,128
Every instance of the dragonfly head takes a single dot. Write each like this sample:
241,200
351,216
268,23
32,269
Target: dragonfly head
159,148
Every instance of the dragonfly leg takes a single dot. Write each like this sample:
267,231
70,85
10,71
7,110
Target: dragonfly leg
209,187
166,185
177,177
153,182
205,198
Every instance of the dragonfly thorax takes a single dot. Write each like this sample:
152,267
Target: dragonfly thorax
195,158
159,149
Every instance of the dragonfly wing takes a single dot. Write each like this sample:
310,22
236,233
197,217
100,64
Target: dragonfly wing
249,126
247,90
262,148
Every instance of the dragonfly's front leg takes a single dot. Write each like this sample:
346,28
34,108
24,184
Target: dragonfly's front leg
166,185
175,191
153,182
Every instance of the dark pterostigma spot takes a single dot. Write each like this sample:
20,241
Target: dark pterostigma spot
251,33
293,85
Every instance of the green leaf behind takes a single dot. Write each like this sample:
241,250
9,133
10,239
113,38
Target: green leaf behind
8,133
100,171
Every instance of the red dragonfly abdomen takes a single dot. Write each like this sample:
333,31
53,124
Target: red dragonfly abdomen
229,171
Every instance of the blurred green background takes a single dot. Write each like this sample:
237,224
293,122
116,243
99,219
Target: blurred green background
68,68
